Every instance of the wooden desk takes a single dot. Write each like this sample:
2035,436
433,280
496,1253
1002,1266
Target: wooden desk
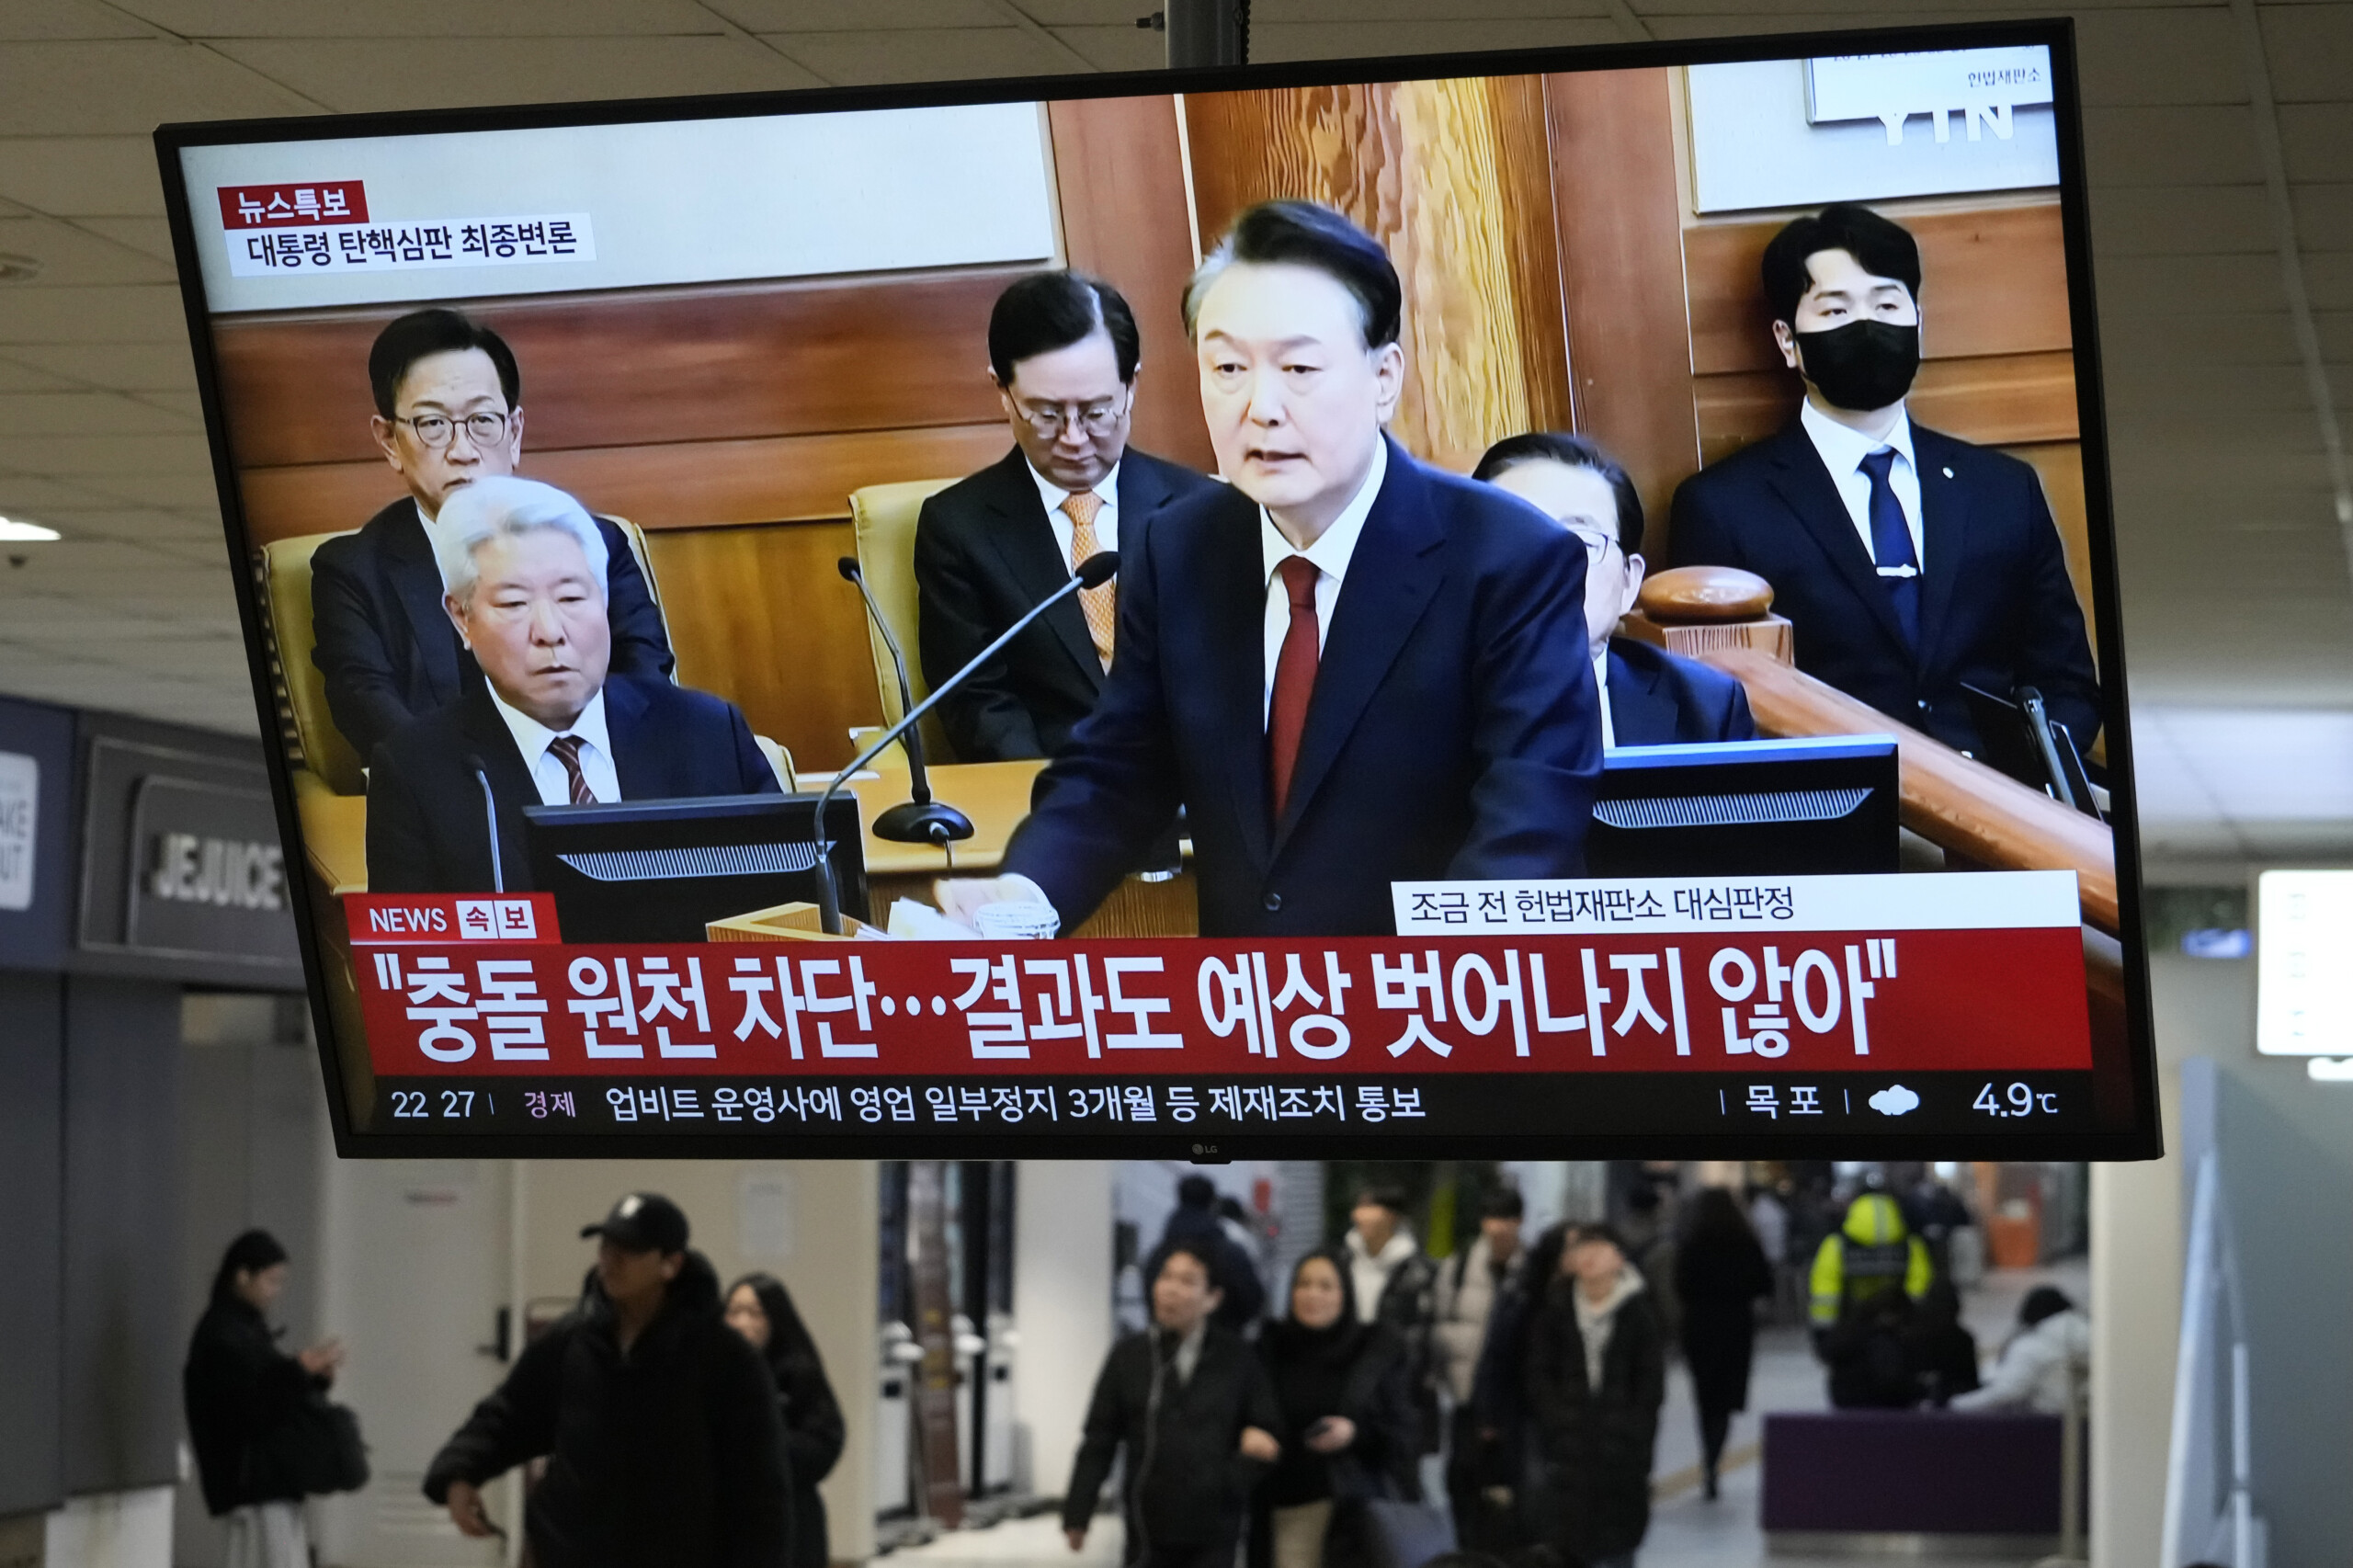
996,795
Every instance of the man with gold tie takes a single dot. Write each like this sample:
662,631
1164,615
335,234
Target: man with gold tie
1062,353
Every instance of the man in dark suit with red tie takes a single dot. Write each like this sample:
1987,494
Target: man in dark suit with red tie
1350,668
1063,352
1909,563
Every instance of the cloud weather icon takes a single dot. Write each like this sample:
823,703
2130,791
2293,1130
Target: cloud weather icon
1894,1100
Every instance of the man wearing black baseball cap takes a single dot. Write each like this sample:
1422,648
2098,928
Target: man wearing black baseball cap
659,1423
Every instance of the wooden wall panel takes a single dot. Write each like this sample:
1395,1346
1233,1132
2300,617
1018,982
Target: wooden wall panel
647,367
684,484
1616,194
1119,167
1423,166
1993,400
759,616
2060,464
1992,280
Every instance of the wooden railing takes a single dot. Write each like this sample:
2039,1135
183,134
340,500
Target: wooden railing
1962,806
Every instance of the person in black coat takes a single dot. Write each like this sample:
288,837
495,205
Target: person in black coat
1350,1427
1651,697
242,1395
1597,1374
1720,1273
1063,352
658,1423
1190,1404
1911,564
761,1310
1241,1297
550,725
448,412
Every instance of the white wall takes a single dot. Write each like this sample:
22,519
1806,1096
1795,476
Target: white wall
2202,1009
1061,1281
112,1529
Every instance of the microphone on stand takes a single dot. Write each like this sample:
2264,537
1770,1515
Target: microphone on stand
1093,573
489,820
919,819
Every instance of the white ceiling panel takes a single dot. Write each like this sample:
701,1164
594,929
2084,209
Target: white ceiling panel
116,313
161,366
77,177
390,74
126,89
932,54
421,19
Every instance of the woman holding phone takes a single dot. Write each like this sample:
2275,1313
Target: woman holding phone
1348,1419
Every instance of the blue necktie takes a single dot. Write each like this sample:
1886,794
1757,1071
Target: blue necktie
1899,568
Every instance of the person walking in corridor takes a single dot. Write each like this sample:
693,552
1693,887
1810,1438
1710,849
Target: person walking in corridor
760,1309
658,1423
1721,1271
1349,1426
1596,1375
1189,1402
244,1399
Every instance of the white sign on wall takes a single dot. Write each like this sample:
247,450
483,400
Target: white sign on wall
19,818
2303,995
1982,87
1781,133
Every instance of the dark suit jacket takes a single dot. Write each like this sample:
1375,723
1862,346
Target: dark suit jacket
425,808
386,645
984,554
1452,732
1658,699
1996,609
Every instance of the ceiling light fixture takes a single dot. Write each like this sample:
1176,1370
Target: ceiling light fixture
14,530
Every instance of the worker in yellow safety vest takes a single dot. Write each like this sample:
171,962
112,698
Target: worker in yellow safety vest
1865,1276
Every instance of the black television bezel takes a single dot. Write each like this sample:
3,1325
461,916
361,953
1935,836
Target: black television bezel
2142,1139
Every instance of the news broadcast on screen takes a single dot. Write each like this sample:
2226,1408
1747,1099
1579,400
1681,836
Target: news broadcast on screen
1562,598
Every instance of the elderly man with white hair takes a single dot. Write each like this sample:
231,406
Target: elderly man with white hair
526,568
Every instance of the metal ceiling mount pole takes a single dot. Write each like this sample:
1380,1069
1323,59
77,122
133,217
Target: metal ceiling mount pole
1208,32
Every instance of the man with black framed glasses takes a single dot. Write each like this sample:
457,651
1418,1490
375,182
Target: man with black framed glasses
449,411
1062,354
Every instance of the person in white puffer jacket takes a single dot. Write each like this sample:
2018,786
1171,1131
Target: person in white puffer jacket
2048,1358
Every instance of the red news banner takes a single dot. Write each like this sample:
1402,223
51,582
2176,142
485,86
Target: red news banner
1808,974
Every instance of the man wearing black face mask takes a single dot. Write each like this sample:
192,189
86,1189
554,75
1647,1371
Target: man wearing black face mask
1909,563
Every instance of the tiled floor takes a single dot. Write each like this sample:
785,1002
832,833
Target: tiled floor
1687,1530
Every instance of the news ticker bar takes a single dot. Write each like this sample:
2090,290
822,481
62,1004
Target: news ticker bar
1591,1006
1063,1105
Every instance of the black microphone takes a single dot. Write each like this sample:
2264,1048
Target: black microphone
489,820
1093,573
919,819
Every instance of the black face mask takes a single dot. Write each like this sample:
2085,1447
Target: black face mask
1862,365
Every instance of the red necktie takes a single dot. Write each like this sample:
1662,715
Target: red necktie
1294,677
567,752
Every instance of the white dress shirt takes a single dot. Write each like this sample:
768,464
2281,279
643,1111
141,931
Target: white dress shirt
1107,519
532,739
1602,685
1843,451
1330,553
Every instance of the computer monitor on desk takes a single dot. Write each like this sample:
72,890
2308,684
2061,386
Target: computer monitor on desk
662,870
1817,804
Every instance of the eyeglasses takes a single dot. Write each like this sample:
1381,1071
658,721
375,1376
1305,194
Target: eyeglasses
1597,545
437,430
1094,418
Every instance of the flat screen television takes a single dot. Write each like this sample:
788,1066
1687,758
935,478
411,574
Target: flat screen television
1448,421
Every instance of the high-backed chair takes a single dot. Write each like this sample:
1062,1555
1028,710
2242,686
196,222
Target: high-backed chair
884,517
308,731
